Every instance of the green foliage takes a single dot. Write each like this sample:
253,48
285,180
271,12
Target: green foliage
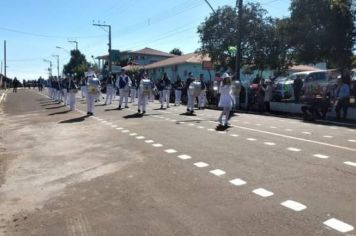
264,42
353,64
176,51
77,64
323,30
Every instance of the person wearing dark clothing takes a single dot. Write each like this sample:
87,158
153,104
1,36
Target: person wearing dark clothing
297,87
15,84
178,87
343,98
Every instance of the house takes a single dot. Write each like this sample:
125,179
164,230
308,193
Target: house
180,66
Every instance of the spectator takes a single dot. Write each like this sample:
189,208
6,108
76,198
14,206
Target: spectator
297,88
343,97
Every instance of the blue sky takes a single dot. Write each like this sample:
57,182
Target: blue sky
33,28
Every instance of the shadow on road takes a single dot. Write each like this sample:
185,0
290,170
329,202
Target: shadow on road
113,109
74,120
187,114
133,116
222,128
50,108
100,105
59,113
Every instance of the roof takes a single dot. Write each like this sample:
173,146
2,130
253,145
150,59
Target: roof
132,67
193,58
301,68
152,52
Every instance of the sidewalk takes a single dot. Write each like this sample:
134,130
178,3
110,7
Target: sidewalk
3,93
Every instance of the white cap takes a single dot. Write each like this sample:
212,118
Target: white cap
225,75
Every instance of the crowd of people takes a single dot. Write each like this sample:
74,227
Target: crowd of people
145,90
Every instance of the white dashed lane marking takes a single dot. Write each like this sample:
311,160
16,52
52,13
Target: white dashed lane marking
234,135
263,192
352,140
321,156
218,172
157,145
269,144
140,137
201,164
133,134
125,131
237,182
119,128
251,139
293,149
338,225
184,157
211,130
293,205
306,132
350,163
149,141
170,151
327,136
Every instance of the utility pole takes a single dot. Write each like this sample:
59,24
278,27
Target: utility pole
76,44
207,2
50,67
239,6
57,56
109,44
5,66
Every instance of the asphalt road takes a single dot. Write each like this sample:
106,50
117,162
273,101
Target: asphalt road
63,173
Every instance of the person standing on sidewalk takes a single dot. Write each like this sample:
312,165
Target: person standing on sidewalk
268,95
343,97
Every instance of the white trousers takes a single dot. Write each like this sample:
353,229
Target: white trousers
83,90
164,97
202,99
123,95
142,102
72,100
178,97
190,104
109,94
90,102
133,94
65,96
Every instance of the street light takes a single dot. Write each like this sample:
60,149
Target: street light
109,44
57,56
50,66
66,50
76,44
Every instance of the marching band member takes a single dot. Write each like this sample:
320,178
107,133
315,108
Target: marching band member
202,95
165,89
144,91
123,83
133,89
110,90
64,85
226,100
190,104
83,86
178,87
72,90
93,88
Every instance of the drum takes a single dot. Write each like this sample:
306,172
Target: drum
92,90
236,88
195,88
146,87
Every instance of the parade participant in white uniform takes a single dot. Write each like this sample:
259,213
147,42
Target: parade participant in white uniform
144,91
93,87
202,95
235,93
133,89
124,84
166,90
178,87
64,86
110,90
190,104
72,90
225,101
83,87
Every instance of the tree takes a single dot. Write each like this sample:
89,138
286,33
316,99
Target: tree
176,51
322,30
77,64
262,44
